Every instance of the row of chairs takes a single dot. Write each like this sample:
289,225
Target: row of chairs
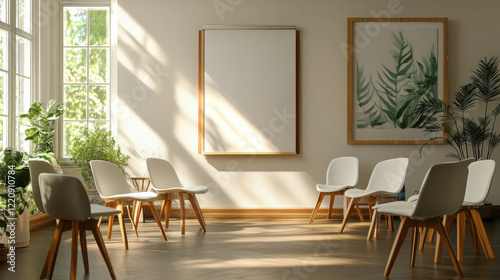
64,198
449,190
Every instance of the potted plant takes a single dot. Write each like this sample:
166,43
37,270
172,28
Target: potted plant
469,136
14,179
40,123
96,145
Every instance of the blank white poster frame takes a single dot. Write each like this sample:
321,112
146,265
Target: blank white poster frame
248,91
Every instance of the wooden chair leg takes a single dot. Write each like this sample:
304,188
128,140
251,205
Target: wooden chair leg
102,247
153,209
200,212
121,220
398,242
100,221
167,213
423,235
373,225
183,222
360,215
83,245
460,235
330,206
52,254
473,231
111,220
197,210
430,233
414,241
390,221
481,231
349,210
447,223
316,208
162,209
74,249
446,240
134,219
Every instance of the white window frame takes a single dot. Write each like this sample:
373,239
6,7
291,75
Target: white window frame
111,4
14,135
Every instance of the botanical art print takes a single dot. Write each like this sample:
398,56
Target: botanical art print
393,65
399,69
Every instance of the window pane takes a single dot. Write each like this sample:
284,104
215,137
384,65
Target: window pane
20,136
75,26
98,102
24,15
3,132
75,101
98,27
71,131
3,11
23,94
98,72
4,78
23,57
4,53
75,65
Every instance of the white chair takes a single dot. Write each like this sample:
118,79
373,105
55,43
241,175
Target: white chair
442,193
38,167
64,198
387,178
342,174
478,186
112,186
166,183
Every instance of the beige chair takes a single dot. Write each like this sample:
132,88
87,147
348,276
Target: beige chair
478,186
64,198
112,186
442,193
342,174
38,167
387,178
166,183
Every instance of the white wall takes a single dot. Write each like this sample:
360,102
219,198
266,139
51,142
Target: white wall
158,80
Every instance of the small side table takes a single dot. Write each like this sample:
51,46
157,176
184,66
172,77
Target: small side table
141,184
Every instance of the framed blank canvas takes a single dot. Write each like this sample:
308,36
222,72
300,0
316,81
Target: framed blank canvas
248,91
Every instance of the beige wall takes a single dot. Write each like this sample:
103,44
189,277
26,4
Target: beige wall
157,90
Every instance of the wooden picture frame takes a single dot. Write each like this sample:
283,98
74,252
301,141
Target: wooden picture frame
391,64
248,101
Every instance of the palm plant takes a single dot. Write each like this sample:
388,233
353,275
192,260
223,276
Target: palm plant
468,136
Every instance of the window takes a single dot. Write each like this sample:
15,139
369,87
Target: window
16,70
86,82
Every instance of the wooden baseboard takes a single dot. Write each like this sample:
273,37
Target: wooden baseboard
40,220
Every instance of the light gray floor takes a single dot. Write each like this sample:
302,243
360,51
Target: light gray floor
253,249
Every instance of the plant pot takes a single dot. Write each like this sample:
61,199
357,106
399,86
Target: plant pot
3,253
23,230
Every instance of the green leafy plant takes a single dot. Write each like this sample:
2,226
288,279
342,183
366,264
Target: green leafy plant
394,93
96,145
468,136
41,122
14,175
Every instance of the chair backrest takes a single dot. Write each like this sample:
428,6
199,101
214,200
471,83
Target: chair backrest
64,197
343,171
479,180
388,175
108,178
162,174
38,167
443,190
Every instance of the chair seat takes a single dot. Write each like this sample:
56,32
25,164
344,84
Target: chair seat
138,196
331,188
97,211
357,193
397,208
191,189
472,204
